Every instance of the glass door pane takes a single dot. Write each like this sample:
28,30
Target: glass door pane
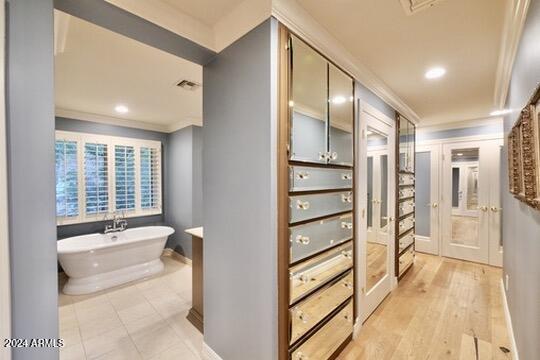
377,181
423,194
465,206
309,105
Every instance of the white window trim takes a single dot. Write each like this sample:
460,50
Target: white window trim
111,141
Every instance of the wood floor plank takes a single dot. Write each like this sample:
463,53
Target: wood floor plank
442,309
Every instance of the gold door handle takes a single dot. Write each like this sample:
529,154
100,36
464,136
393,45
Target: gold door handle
435,205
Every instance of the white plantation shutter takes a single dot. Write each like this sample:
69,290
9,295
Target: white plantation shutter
150,170
96,178
67,184
98,175
124,158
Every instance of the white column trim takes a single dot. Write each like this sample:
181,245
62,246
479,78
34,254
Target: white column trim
5,277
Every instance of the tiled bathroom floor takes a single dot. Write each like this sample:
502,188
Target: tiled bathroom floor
141,320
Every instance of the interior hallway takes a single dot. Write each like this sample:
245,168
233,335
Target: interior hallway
437,311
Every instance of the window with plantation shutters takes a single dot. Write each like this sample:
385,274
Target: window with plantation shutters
67,183
150,178
96,178
124,168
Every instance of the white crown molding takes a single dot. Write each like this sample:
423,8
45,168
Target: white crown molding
516,14
61,28
514,350
102,119
426,128
296,18
208,353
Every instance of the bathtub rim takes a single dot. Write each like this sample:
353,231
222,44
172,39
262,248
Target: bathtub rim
88,248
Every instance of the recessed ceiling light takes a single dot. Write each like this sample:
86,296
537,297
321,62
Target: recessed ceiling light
500,112
459,154
435,73
121,109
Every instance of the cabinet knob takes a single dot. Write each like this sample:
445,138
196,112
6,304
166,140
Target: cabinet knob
334,156
303,175
346,225
496,209
301,356
304,240
323,155
348,285
346,254
303,205
346,198
302,316
346,176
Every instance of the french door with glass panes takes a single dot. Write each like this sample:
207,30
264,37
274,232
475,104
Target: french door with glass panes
427,199
471,213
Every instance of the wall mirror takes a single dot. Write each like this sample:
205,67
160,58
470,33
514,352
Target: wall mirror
308,103
341,114
406,145
377,207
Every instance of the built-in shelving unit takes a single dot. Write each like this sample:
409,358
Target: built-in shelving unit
316,204
405,191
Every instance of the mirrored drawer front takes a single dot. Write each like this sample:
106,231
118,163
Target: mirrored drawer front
303,178
315,272
406,224
328,339
406,259
313,237
405,241
305,207
406,179
406,192
406,207
319,305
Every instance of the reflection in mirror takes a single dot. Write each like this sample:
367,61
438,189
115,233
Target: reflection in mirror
309,103
377,197
341,115
465,211
407,135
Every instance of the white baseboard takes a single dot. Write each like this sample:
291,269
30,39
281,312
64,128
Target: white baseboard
356,328
173,254
208,353
508,318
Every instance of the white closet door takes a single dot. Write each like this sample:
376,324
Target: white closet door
471,188
427,199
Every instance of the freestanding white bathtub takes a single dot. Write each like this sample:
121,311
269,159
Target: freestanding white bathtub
100,261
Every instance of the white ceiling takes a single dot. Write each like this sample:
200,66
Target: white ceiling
463,36
96,69
208,12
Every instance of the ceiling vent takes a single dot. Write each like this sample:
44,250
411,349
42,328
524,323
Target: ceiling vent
188,85
413,6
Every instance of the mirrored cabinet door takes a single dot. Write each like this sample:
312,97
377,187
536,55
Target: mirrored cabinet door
341,115
407,136
308,102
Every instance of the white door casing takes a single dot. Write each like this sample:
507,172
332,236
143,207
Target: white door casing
368,300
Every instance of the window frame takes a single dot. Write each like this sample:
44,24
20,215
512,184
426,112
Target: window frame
111,141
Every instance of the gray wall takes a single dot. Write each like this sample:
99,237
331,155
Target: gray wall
66,124
521,224
239,208
183,202
31,178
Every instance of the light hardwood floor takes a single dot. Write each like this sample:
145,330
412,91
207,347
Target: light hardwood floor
442,309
